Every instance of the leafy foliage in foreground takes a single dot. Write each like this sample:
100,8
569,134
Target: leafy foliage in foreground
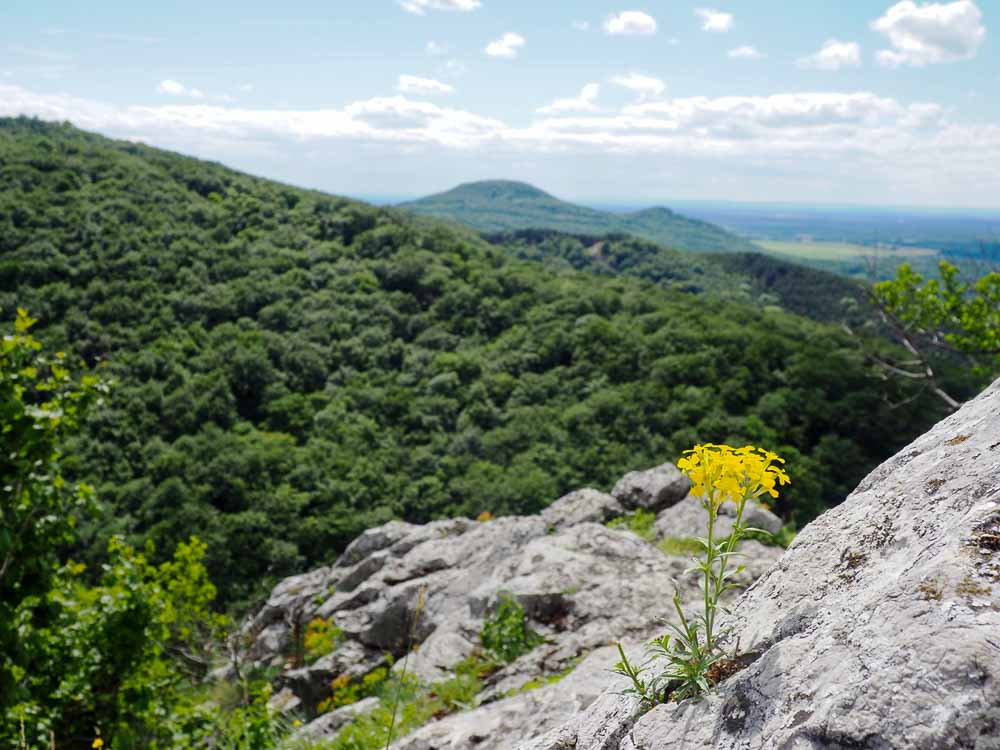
293,368
84,664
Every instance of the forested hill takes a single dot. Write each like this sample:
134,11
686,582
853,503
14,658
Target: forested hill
500,205
739,277
293,367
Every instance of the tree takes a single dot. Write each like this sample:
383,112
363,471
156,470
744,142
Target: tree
40,404
946,316
75,659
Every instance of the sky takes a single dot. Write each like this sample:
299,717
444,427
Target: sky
855,101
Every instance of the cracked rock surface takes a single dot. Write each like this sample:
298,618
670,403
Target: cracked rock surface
879,627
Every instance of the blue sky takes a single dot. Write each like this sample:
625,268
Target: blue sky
860,101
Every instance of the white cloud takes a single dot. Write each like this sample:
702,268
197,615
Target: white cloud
630,23
715,20
833,55
420,7
780,111
646,87
930,33
871,143
506,46
422,86
584,102
171,87
434,49
746,53
581,25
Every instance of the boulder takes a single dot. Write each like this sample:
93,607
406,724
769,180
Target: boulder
583,506
653,489
878,628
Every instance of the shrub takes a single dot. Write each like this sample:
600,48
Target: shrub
506,635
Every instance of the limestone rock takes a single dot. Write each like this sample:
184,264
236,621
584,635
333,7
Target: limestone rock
654,489
582,506
877,629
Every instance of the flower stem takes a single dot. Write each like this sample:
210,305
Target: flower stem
709,573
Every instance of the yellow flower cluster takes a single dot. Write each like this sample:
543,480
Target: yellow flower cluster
722,472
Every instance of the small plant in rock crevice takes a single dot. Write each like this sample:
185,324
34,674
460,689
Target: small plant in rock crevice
506,634
639,523
344,691
322,637
692,650
406,704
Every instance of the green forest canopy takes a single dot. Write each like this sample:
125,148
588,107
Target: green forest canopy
292,368
737,277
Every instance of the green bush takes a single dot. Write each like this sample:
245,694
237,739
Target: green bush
506,634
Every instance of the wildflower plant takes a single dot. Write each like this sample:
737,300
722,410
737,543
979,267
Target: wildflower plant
718,474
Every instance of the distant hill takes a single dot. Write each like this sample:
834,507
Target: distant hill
501,205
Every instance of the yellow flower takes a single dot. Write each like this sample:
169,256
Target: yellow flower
720,472
98,743
296,723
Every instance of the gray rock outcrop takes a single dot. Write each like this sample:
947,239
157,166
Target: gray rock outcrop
581,584
879,628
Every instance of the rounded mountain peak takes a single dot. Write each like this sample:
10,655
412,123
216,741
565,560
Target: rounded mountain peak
500,190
